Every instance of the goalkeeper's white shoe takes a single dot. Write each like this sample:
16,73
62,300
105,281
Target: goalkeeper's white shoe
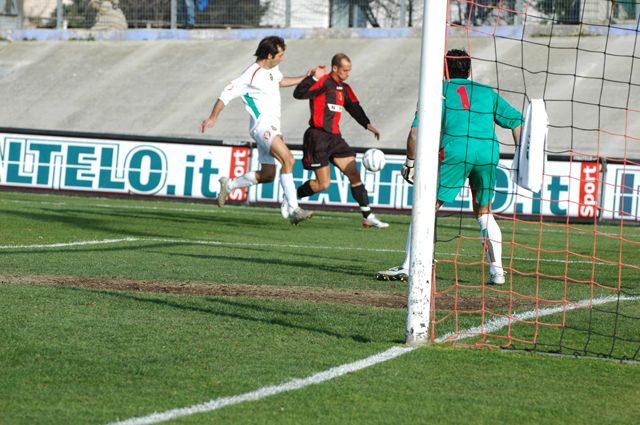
394,273
285,209
224,191
496,279
372,221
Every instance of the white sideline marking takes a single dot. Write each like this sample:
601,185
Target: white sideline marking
335,372
269,245
501,322
67,244
193,242
294,384
205,209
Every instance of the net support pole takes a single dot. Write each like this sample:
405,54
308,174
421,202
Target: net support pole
174,14
434,25
59,14
287,14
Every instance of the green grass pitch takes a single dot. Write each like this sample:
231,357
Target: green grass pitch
116,308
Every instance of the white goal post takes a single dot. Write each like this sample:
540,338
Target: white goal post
434,26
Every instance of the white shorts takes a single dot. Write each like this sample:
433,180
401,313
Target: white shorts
264,131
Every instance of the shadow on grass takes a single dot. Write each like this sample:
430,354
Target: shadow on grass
103,220
305,264
79,221
239,316
148,247
261,308
177,217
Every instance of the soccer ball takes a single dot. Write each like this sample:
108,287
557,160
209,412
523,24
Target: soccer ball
374,160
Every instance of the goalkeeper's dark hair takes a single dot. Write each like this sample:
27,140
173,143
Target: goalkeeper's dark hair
458,63
269,46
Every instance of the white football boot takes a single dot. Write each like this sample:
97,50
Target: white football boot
496,279
372,221
299,215
224,191
394,273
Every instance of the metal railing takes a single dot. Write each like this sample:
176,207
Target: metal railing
119,14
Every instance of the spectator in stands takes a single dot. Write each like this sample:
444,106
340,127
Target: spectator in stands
187,13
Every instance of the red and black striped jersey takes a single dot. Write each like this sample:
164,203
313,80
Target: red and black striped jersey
327,98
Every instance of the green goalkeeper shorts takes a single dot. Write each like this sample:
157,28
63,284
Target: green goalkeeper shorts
477,161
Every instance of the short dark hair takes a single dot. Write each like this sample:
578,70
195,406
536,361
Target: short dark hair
458,63
337,59
269,46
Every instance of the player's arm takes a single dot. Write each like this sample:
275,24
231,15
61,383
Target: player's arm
356,111
311,86
234,89
375,132
293,81
353,107
407,170
516,134
507,116
213,117
411,142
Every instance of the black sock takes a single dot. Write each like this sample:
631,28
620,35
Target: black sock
305,190
360,194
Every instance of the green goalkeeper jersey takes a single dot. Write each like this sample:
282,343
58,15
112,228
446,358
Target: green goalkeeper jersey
470,110
469,146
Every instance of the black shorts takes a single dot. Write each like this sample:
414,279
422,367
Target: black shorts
319,148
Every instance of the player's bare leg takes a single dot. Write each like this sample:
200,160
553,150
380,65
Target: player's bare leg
323,179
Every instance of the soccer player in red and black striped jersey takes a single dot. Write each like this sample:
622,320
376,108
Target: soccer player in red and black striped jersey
328,96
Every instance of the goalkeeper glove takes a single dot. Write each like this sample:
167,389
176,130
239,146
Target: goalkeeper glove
407,170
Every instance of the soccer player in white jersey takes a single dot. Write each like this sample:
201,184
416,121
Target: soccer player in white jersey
259,87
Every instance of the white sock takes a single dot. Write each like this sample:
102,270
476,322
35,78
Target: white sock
407,250
246,180
289,189
492,241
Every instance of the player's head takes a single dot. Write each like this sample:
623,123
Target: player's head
272,49
458,63
340,66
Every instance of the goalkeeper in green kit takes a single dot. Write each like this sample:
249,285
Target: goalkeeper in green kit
469,148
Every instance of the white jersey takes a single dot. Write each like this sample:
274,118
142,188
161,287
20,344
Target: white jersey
260,91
